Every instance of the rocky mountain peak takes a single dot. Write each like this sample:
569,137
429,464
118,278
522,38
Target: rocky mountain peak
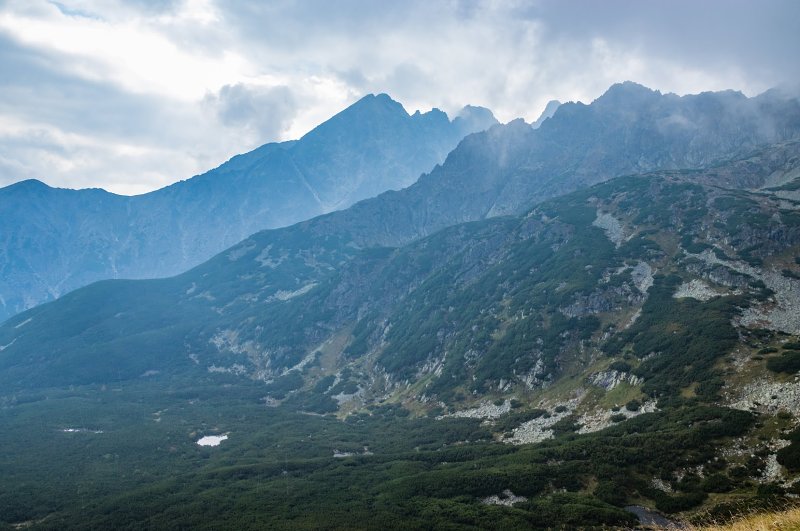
627,94
371,109
549,110
26,185
475,118
378,101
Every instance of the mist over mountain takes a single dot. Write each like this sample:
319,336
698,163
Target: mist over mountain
509,168
55,240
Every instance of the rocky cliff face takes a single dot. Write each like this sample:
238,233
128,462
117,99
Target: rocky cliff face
57,240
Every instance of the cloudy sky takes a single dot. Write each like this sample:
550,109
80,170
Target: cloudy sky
133,95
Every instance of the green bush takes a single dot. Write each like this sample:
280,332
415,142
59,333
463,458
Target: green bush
788,361
283,385
687,335
717,483
566,425
633,405
680,502
790,457
620,366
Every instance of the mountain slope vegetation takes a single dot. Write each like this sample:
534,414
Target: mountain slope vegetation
627,343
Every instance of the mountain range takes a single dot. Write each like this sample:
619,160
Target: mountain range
505,170
555,324
55,240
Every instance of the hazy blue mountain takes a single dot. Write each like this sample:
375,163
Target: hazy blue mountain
509,168
549,110
629,129
55,240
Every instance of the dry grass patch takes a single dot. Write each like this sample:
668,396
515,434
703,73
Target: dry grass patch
788,520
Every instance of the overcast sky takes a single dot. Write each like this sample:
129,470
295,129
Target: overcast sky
133,95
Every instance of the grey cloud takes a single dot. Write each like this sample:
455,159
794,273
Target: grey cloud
514,56
286,24
760,38
267,110
72,12
40,154
94,8
409,81
154,6
354,78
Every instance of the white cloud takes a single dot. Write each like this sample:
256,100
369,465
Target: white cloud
133,95
79,159
137,53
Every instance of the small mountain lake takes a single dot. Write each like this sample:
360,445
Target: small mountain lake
652,518
212,440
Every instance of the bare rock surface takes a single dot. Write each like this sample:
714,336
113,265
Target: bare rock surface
601,419
608,380
782,312
539,429
642,275
484,411
506,498
695,289
611,226
768,397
